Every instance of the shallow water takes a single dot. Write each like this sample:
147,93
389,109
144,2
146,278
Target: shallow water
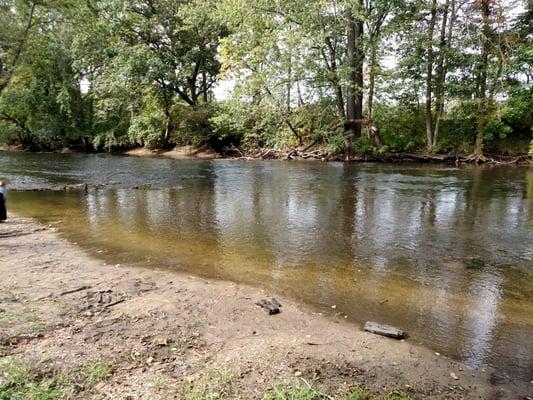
445,253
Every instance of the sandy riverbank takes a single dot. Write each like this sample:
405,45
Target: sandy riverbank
179,153
160,334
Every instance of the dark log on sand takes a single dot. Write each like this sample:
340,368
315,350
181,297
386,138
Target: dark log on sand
384,330
270,306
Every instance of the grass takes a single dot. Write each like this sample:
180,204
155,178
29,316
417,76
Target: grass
19,381
95,372
216,387
23,321
308,392
300,393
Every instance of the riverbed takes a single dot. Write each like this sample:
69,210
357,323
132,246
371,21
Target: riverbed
445,253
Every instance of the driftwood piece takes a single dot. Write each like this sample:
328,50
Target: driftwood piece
271,306
85,287
384,330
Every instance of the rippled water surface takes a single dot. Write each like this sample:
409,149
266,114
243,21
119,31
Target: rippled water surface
445,253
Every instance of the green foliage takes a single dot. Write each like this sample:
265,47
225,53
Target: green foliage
191,125
402,128
147,125
150,69
233,122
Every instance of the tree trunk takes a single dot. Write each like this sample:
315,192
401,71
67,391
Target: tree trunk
169,127
204,87
289,82
331,65
429,77
445,46
354,89
441,70
483,67
359,58
350,89
373,131
300,98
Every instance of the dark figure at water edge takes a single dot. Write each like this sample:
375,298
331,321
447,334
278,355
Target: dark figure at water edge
3,198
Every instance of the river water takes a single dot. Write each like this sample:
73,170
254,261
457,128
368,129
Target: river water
445,253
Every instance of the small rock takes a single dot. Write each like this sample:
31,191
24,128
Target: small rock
298,374
453,375
161,342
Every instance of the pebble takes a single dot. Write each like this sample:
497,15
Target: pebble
297,374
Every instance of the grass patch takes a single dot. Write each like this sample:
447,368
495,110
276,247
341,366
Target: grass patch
308,392
19,382
95,372
217,386
296,393
359,393
23,321
23,315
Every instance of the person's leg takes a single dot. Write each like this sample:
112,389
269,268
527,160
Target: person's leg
3,212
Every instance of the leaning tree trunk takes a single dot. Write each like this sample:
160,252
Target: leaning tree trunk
442,64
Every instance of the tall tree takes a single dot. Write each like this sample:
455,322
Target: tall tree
16,22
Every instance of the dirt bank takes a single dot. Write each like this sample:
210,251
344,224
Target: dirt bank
150,334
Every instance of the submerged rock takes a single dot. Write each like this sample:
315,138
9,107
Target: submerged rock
475,263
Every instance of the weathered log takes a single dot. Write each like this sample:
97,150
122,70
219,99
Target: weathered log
384,330
272,307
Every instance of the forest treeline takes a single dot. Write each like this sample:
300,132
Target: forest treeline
343,75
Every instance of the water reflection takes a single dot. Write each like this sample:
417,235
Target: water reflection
380,242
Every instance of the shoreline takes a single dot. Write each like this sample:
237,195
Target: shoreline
168,334
207,153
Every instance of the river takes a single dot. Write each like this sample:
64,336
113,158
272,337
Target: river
445,253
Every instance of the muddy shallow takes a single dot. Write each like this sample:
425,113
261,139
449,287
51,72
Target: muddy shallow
445,253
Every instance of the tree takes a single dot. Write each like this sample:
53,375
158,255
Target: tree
16,22
168,48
